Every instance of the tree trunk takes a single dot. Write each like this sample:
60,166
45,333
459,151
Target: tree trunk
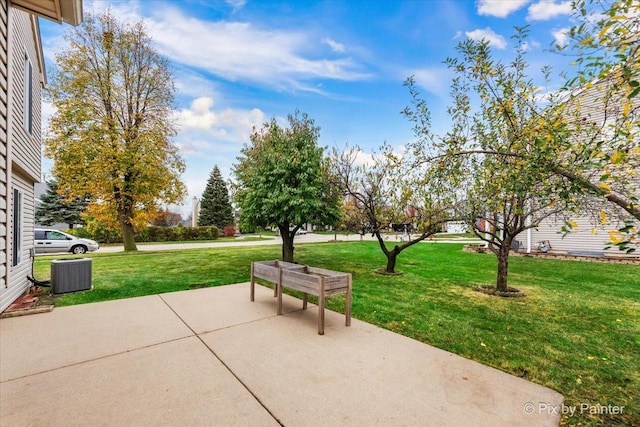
503,268
391,261
287,243
128,233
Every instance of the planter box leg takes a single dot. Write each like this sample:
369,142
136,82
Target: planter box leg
253,284
279,293
305,298
347,308
321,308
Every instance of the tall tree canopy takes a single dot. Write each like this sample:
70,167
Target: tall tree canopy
215,208
283,180
502,142
111,133
55,208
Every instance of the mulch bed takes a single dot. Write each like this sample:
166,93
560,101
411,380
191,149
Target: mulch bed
509,293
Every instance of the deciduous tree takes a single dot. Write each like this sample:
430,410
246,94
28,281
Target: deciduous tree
283,180
392,189
111,133
500,142
166,218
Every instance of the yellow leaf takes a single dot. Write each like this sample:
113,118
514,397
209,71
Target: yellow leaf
627,109
602,31
616,237
573,224
616,158
483,344
578,381
594,231
603,218
604,186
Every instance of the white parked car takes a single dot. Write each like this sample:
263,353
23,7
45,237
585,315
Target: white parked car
52,241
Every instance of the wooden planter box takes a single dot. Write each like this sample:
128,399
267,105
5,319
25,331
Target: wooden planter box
308,280
270,271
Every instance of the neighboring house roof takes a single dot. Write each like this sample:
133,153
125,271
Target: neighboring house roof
67,11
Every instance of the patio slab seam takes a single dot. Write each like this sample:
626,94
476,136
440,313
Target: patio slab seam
106,356
212,351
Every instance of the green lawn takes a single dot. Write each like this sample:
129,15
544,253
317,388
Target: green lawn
577,331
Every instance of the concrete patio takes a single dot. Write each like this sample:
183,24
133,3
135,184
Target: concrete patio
210,357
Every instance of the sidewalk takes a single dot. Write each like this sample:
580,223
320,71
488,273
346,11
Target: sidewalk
210,357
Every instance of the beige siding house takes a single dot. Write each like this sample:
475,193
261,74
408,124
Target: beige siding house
22,77
589,237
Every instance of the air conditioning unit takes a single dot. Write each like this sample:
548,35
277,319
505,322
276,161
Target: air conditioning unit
70,275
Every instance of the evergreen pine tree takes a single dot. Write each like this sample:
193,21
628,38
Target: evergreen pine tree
54,208
215,208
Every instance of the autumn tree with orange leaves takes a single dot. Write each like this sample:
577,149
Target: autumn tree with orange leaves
111,133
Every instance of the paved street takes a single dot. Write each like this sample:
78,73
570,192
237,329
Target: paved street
304,238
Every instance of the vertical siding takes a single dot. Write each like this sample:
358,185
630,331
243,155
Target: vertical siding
4,96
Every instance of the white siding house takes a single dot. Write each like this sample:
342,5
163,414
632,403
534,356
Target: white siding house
22,77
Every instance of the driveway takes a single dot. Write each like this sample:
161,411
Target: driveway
211,357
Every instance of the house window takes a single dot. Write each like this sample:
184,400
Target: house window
28,94
17,227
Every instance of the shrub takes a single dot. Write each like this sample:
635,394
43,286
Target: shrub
149,234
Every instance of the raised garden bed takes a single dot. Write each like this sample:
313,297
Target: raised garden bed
309,280
270,271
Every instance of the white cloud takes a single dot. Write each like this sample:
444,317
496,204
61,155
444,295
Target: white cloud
236,4
434,80
548,9
489,35
47,112
334,45
561,36
364,159
528,46
228,125
241,51
194,85
499,8
192,146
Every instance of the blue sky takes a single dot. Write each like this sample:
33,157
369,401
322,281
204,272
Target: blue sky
237,63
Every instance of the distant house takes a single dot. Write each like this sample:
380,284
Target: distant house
456,227
589,237
22,77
